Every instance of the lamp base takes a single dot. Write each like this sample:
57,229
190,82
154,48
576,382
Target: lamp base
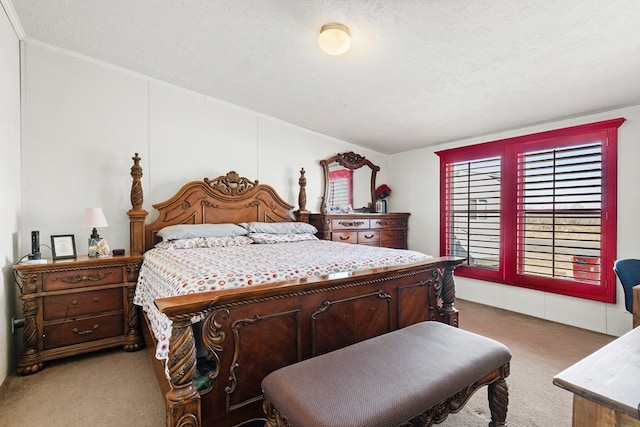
98,247
93,246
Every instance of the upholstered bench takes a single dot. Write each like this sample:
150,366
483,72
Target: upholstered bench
412,376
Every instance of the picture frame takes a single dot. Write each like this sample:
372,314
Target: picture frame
63,246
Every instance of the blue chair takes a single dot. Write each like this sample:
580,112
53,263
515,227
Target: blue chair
628,271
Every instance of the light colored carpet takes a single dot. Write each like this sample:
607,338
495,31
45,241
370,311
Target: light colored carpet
115,388
101,389
541,349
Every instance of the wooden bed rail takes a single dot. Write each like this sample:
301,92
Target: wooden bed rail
201,302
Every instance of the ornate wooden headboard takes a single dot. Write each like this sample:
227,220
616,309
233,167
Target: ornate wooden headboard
228,198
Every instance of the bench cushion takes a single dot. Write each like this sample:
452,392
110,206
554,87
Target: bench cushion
385,380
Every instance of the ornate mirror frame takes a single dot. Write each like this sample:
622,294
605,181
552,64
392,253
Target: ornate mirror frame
351,161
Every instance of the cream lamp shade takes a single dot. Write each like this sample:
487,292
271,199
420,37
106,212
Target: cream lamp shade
94,218
334,39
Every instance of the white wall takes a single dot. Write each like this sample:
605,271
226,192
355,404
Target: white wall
419,194
9,185
83,120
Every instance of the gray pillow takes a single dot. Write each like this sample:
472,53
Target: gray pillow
189,231
280,227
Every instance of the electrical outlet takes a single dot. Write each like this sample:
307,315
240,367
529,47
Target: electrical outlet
15,324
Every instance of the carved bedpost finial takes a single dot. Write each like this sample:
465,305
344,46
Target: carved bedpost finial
137,196
137,215
302,196
302,214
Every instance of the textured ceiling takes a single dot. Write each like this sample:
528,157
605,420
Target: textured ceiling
419,72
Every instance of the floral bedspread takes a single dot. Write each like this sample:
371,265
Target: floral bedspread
172,272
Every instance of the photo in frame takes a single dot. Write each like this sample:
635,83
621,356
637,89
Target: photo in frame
63,246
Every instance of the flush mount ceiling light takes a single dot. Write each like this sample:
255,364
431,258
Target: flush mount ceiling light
334,39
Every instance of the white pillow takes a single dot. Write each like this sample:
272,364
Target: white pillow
280,227
189,231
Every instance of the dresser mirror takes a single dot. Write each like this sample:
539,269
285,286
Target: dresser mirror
349,184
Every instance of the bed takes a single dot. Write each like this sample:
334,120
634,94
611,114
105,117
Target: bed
249,330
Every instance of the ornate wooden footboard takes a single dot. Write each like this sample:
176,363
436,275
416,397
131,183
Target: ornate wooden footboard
250,332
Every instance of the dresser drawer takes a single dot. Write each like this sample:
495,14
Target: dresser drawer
345,236
368,237
349,224
389,223
83,330
79,304
386,235
79,278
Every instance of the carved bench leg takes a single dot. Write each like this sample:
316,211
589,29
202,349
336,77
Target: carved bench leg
498,402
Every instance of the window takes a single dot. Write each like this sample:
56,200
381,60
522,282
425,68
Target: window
537,211
341,188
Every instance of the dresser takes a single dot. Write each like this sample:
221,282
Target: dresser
77,306
376,229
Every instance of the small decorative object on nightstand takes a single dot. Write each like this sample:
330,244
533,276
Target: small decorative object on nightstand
94,218
77,306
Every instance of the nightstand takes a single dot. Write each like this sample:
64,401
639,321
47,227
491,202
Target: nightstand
77,306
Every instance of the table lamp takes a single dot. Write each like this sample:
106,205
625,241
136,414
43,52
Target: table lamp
94,218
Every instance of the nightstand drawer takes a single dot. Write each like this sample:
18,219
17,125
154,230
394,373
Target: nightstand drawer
345,236
79,278
73,305
83,330
368,237
349,224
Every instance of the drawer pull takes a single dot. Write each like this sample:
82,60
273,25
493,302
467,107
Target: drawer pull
74,302
345,237
96,299
369,237
88,331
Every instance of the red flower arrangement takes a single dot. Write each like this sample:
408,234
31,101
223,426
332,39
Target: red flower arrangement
383,191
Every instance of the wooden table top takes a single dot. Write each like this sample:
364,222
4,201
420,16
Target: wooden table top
609,376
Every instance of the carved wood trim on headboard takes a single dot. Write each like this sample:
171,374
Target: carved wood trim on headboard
228,198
